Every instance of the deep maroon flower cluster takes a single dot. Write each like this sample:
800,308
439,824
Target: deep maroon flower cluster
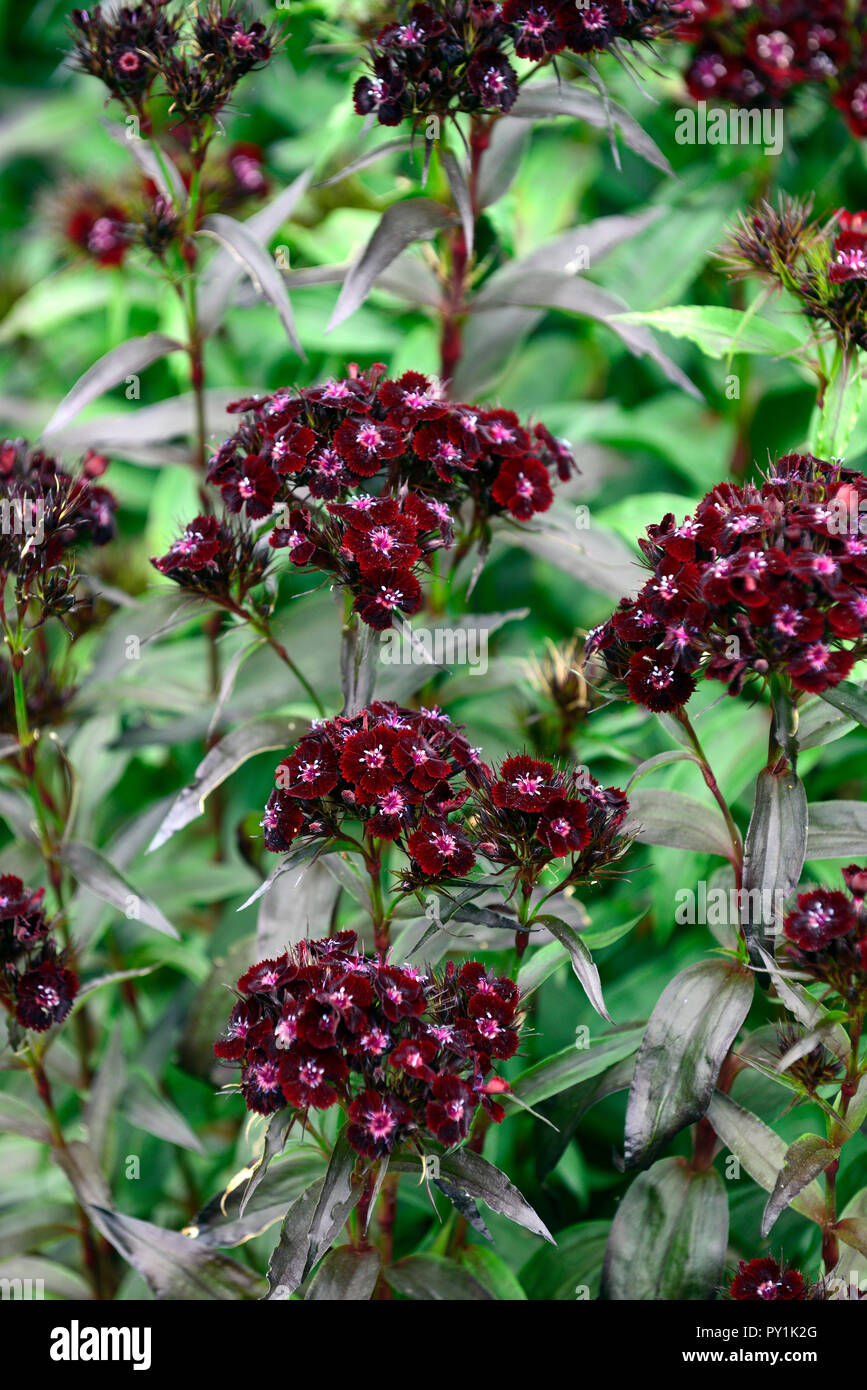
402,1052
758,52
400,771
528,813
759,580
453,55
35,984
827,935
411,777
764,1280
141,48
44,512
365,479
217,559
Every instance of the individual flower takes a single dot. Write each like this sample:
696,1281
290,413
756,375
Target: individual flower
764,1280
44,994
820,917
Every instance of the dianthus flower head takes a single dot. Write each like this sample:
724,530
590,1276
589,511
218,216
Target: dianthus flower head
36,986
450,56
759,580
403,1053
764,1280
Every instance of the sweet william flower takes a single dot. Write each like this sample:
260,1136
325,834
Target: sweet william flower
44,995
763,1280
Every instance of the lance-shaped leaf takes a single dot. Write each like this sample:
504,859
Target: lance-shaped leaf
220,1223
286,1269
257,736
172,1265
93,871
345,1276
480,1179
292,910
668,1240
336,1200
583,963
803,1161
686,1041
807,1010
434,1279
508,142
837,830
578,296
257,261
464,1205
127,359
849,698
719,332
573,1269
542,100
677,821
223,273
774,853
17,1117
575,1064
569,1108
398,146
461,194
400,225
761,1151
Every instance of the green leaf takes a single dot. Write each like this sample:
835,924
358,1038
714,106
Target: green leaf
93,871
434,1279
542,100
761,1151
257,736
668,1240
804,1160
832,426
256,259
837,830
492,1273
582,961
774,852
481,1180
687,1039
849,698
346,1276
575,1064
677,821
853,1230
125,360
172,1265
539,966
562,1274
720,332
336,1200
403,223
17,1117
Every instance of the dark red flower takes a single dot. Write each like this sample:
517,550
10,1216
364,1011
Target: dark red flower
233,1044
310,771
195,549
563,826
366,444
414,1056
524,487
400,992
308,1076
366,761
376,1123
450,1111
438,848
252,484
44,995
763,1280
820,917
656,683
525,784
281,821
260,1083
385,592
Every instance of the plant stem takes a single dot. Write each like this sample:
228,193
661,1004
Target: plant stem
736,858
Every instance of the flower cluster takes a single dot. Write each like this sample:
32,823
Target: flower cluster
411,778
144,48
35,984
44,512
400,771
528,813
765,1280
454,55
826,934
403,1053
824,267
759,54
758,581
366,477
105,224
